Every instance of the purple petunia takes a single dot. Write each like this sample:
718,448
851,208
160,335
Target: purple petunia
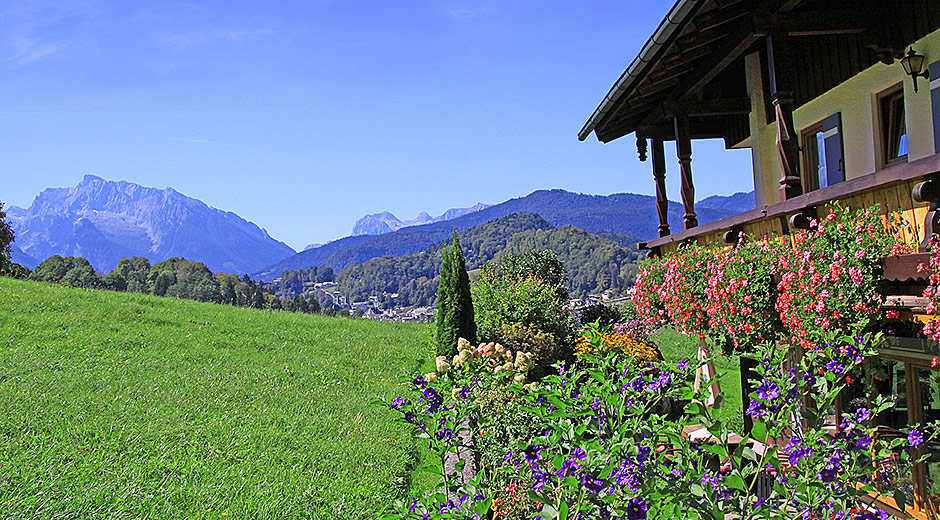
636,509
829,472
532,453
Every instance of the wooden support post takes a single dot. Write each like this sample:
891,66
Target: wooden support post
684,151
659,176
788,146
747,372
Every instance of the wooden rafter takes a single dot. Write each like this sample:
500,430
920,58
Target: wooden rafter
819,23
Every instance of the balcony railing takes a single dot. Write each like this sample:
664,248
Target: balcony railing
892,188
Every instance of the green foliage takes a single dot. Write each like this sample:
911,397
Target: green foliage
454,318
302,281
6,241
131,273
605,315
513,295
131,406
594,264
71,271
181,278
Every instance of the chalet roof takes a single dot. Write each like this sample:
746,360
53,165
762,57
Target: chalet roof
693,63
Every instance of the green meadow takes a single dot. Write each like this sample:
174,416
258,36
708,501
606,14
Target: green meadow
131,406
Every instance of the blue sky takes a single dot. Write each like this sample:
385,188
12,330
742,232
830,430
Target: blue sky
304,116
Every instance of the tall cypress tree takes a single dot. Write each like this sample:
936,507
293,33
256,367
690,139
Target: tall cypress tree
454,318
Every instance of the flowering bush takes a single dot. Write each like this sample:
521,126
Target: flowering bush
932,292
740,295
595,342
683,290
831,274
503,298
606,437
646,296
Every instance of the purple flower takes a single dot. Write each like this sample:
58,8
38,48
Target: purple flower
829,472
578,453
862,415
708,479
636,509
532,453
591,484
797,451
915,438
835,367
683,364
756,409
768,391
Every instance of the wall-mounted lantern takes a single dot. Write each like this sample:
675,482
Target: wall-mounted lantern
913,64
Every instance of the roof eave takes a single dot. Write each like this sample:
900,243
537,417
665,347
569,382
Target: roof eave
676,17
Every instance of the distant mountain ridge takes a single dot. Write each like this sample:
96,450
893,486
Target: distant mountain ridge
386,222
622,213
104,221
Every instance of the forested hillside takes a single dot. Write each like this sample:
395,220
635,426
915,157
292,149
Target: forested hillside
594,263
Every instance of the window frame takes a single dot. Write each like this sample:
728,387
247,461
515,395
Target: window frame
809,162
886,100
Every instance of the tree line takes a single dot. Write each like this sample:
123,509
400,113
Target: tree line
175,278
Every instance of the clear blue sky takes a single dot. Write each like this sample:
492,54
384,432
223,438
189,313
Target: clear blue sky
304,116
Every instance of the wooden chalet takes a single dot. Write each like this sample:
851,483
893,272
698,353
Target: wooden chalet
820,92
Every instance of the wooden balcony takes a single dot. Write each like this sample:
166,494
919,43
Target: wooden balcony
913,188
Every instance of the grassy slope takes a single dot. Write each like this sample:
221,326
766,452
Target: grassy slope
129,406
675,346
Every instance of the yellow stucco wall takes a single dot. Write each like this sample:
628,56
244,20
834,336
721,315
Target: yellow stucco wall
856,99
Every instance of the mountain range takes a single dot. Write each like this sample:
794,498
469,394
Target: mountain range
105,221
386,222
621,213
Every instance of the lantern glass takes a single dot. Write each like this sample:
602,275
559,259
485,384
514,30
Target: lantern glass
913,63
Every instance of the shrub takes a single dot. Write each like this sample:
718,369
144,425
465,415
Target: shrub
523,311
605,315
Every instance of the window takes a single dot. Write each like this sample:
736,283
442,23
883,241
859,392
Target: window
893,125
822,153
814,156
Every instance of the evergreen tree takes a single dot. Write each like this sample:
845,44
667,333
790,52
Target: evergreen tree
6,239
454,318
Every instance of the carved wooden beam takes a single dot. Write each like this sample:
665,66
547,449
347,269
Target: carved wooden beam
641,148
788,146
697,108
803,217
733,236
929,191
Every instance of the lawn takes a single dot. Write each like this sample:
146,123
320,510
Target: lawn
675,346
130,406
